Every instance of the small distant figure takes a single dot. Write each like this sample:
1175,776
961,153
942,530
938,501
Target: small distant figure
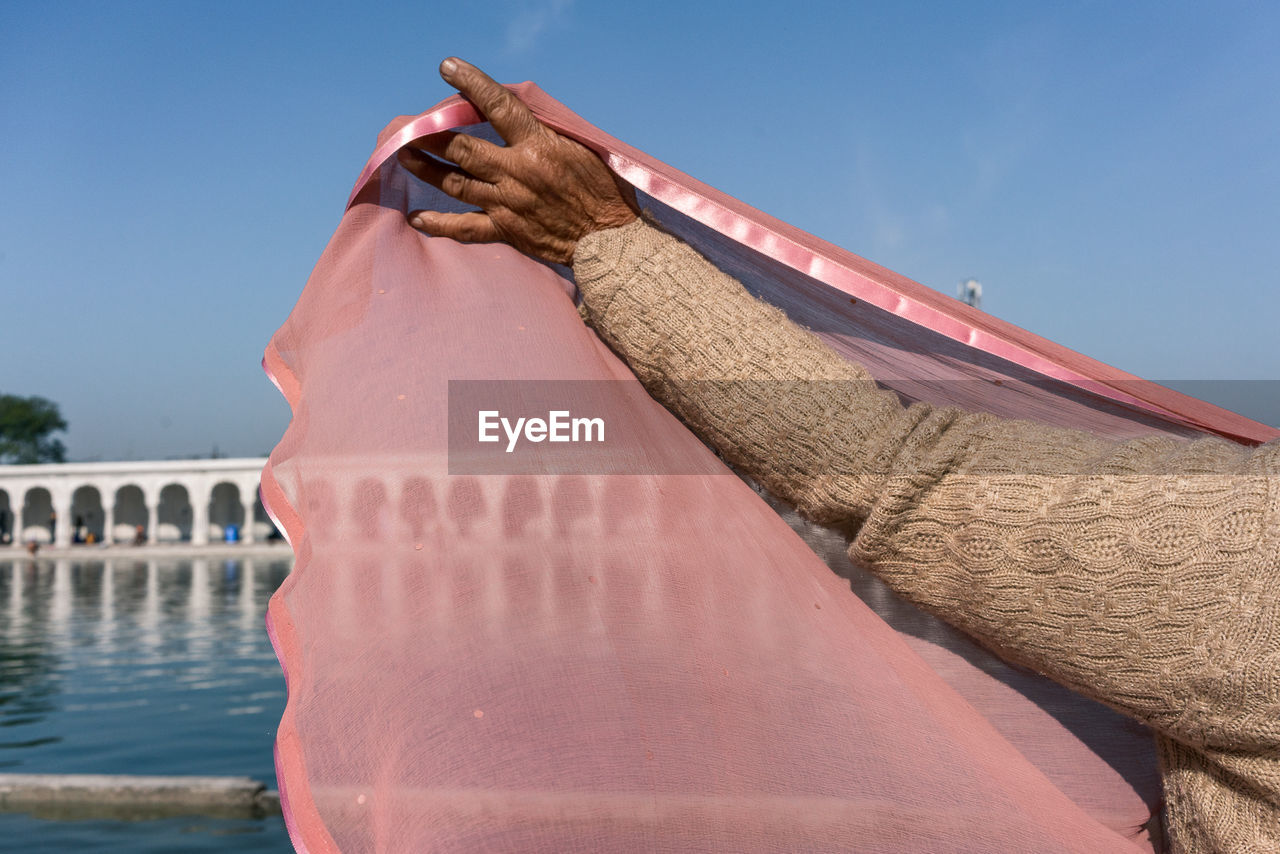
139,536
970,291
33,548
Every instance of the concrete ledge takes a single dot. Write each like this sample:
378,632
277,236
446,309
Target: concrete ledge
127,797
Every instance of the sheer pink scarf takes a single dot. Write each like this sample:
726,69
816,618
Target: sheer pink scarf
612,662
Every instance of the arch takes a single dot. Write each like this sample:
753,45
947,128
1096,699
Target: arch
8,520
129,511
225,508
263,528
38,521
173,514
87,515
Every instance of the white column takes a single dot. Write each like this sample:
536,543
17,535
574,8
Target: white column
19,506
153,518
65,524
199,495
108,518
248,498
247,534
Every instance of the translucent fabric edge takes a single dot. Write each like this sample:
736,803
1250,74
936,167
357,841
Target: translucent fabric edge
302,819
839,268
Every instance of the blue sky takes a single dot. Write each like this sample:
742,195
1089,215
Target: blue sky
172,171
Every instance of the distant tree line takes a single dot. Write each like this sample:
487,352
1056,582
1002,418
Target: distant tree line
26,428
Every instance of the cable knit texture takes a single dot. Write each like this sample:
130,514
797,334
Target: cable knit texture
1144,574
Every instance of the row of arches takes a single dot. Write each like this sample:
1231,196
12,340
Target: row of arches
125,515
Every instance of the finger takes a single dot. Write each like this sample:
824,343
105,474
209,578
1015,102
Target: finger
447,178
509,117
477,156
468,227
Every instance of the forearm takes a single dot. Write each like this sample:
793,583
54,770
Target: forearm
776,401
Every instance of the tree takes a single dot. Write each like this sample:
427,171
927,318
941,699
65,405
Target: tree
25,425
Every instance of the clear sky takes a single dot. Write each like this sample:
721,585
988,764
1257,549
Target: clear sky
171,171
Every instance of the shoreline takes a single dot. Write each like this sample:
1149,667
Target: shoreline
276,548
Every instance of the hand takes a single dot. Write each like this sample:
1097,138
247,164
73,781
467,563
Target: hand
541,192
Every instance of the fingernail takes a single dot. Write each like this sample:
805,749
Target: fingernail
418,221
448,67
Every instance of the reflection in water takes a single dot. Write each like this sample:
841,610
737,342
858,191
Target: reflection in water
138,667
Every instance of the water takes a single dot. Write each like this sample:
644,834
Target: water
139,667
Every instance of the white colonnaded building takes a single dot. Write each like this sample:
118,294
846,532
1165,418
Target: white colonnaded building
174,501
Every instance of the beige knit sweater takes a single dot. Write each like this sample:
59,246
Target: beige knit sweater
1144,574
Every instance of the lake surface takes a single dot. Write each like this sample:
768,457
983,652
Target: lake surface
139,667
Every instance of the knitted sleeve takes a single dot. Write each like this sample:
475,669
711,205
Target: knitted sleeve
1142,573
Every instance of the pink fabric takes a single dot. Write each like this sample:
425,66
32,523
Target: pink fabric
605,662
785,247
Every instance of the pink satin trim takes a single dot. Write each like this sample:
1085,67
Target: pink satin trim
837,267
449,113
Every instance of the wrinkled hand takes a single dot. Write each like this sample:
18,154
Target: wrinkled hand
541,192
